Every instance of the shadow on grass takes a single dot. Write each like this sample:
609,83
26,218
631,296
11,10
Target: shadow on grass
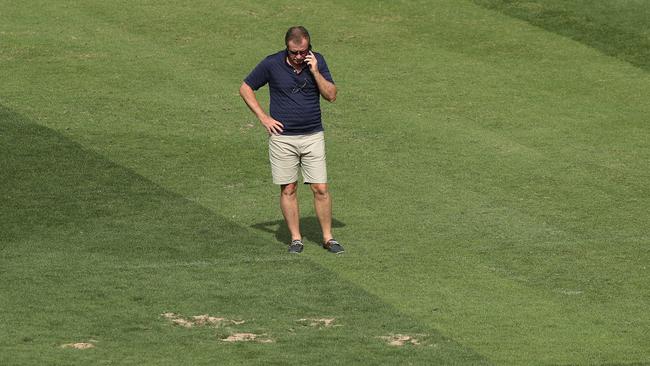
68,198
309,227
101,251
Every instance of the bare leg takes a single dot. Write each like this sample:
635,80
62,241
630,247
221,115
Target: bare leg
323,207
290,209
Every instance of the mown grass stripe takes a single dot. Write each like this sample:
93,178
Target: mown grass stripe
448,114
610,27
95,255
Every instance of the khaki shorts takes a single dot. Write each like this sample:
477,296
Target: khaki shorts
289,154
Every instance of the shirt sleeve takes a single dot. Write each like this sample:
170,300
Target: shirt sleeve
323,69
259,76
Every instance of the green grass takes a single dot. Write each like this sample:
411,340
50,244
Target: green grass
489,179
616,28
99,253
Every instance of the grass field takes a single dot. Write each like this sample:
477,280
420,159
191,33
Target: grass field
489,166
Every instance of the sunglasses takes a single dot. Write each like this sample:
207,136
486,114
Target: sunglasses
301,53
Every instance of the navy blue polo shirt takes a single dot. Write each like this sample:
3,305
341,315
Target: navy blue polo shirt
295,99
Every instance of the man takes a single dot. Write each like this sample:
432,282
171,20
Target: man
297,78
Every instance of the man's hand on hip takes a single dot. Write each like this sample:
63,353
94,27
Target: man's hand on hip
272,126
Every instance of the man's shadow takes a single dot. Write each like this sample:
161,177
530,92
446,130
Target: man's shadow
309,227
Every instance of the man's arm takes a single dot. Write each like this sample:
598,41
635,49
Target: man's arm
326,88
248,94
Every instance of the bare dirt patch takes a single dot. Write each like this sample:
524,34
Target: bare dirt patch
317,322
246,337
246,127
199,320
206,319
570,292
399,340
80,345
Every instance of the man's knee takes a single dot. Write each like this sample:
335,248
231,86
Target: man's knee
289,189
320,189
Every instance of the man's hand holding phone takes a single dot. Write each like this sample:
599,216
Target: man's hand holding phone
310,59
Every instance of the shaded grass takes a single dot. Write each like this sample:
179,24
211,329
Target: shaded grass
94,252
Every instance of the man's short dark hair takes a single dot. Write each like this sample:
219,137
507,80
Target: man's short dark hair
296,34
